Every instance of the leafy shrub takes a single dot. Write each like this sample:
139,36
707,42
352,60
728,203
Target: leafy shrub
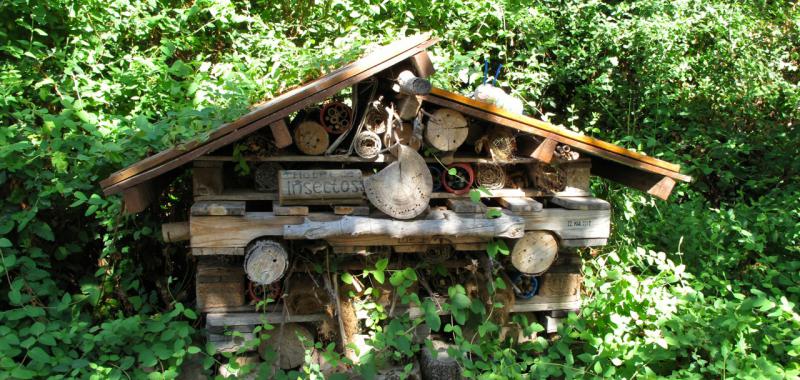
88,87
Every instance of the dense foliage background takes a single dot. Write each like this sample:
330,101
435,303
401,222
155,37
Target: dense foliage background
705,285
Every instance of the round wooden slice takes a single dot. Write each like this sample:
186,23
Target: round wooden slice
403,188
265,261
286,345
446,130
535,252
311,138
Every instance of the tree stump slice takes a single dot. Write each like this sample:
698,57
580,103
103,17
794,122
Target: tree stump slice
286,344
265,261
535,252
446,130
403,188
311,138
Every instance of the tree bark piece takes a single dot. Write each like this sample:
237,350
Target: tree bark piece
286,340
265,261
535,252
451,224
446,129
311,138
315,187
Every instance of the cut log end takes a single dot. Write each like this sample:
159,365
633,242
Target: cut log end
265,261
535,252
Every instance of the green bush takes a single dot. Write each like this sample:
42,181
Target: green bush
706,285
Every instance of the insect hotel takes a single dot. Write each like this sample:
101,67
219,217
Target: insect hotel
370,166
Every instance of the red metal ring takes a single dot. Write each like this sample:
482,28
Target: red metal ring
324,110
470,179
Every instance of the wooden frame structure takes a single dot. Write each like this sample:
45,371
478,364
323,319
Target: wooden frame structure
249,236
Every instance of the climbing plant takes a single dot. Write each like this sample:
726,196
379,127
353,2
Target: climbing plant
705,285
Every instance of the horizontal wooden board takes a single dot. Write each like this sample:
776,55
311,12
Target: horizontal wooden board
571,224
313,187
218,208
581,203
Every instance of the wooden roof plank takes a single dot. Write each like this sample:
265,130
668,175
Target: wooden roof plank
544,129
267,113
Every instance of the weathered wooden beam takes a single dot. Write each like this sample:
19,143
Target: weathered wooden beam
452,224
135,199
224,231
654,184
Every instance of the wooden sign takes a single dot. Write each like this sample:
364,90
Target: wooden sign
320,187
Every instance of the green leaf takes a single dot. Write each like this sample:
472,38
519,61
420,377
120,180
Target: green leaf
474,195
193,349
382,264
347,278
380,276
38,354
452,171
5,243
493,213
22,373
432,318
189,313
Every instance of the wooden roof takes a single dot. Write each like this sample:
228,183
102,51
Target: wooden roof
633,169
655,176
269,112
